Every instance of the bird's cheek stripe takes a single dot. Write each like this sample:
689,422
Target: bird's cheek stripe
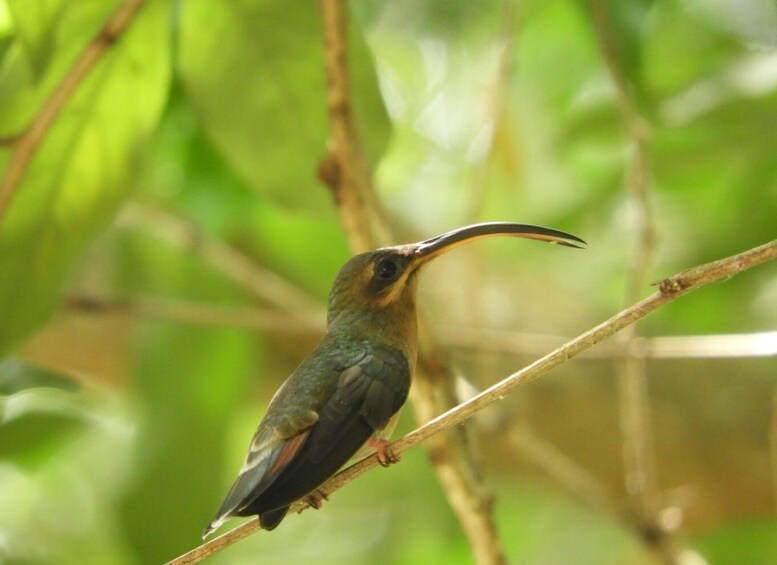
395,291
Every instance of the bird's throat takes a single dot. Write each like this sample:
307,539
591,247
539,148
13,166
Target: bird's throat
394,327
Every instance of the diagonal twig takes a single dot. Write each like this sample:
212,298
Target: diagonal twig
773,444
26,145
191,312
345,169
558,465
494,109
346,172
263,283
712,346
638,459
670,289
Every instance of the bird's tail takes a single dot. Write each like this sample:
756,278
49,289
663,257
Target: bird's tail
214,525
270,519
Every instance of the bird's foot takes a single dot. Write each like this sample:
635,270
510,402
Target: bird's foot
316,498
386,455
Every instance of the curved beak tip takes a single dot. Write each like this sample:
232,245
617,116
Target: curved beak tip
439,244
574,242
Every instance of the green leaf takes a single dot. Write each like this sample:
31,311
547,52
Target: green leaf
39,411
254,74
84,166
64,459
17,375
36,23
36,422
23,89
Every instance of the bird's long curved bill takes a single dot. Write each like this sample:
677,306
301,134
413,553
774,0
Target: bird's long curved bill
435,246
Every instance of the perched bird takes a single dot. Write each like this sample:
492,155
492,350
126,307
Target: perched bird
348,392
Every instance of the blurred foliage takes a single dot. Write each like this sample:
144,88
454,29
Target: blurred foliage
120,429
86,163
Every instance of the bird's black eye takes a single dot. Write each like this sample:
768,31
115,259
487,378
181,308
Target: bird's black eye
387,269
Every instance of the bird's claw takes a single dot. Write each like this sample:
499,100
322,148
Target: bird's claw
315,499
385,454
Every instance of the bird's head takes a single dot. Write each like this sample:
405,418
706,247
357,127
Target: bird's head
382,282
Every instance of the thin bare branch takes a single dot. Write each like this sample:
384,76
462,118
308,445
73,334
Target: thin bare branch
27,144
494,109
9,140
573,477
578,481
346,172
452,456
185,311
756,344
714,346
345,169
670,289
638,459
265,284
773,444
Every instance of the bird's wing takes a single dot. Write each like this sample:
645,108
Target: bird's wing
368,394
272,449
299,451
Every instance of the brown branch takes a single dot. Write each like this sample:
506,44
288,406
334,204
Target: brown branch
452,457
581,483
27,144
188,312
670,289
10,140
240,268
494,109
345,170
638,458
713,346
575,478
773,444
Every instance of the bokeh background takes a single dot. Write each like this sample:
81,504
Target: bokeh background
166,257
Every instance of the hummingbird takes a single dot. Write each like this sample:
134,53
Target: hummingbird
345,397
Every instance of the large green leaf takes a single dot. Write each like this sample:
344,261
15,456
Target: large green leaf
23,86
254,73
86,163
36,23
39,411
64,452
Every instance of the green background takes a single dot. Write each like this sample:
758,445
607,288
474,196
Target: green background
198,135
